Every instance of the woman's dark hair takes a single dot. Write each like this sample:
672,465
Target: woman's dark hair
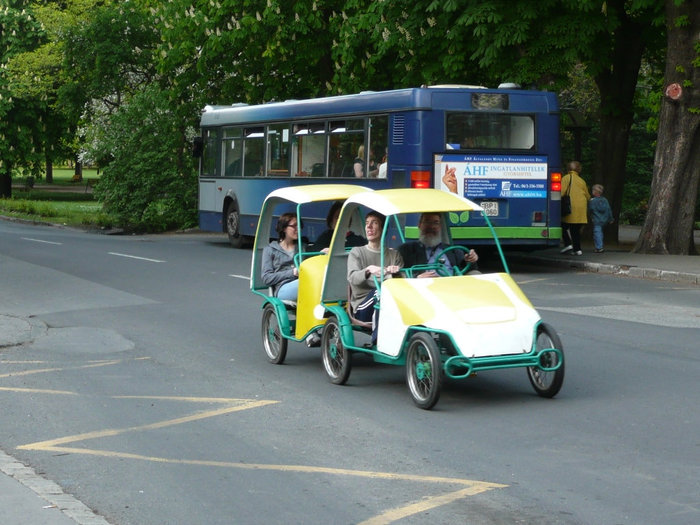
283,222
335,208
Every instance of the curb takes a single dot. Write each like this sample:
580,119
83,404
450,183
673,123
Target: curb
621,270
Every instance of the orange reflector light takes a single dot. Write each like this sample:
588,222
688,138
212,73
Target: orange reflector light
556,177
420,179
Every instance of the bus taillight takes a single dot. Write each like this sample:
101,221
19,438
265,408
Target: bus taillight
556,182
420,179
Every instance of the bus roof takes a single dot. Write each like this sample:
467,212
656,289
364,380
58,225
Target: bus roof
412,200
372,102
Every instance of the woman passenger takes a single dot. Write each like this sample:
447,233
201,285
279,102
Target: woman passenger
278,269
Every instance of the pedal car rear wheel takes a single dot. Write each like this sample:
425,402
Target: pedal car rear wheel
423,370
547,383
274,344
336,358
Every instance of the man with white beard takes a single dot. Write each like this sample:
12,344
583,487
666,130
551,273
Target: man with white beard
429,245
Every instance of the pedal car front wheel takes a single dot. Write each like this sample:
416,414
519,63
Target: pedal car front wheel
547,383
423,370
274,344
336,358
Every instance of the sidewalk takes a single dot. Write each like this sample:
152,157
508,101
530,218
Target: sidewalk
28,499
618,260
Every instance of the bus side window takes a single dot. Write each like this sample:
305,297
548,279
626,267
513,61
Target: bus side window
309,150
345,139
278,150
378,133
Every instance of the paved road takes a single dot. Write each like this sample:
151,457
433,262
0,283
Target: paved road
142,390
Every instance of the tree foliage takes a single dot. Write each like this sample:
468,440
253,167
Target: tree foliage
150,183
19,134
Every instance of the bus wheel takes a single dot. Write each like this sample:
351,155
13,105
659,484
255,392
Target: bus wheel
274,343
336,358
424,370
233,226
547,383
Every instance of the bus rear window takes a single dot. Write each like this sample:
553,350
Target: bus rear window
490,131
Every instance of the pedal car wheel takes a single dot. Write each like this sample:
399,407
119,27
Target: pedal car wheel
336,358
424,370
274,344
547,383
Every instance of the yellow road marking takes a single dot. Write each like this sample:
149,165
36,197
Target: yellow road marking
241,404
429,503
37,391
60,369
471,487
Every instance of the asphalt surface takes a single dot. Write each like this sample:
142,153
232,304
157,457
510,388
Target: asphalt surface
26,498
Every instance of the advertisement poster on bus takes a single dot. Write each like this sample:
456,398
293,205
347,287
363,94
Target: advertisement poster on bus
491,177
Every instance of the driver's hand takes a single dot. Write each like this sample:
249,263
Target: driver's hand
471,257
392,269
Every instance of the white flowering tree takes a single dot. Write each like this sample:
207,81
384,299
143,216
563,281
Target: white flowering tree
19,32
247,50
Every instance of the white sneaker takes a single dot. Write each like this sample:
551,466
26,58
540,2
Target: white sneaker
577,253
566,249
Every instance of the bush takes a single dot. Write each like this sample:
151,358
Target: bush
150,182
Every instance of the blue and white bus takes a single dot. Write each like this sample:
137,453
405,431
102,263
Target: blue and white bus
497,147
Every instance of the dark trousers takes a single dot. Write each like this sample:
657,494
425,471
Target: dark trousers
571,235
366,312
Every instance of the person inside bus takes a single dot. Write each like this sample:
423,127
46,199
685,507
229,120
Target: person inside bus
359,164
381,172
429,245
364,265
324,240
278,269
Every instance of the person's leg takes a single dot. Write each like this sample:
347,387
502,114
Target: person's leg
598,236
289,291
575,230
366,312
566,236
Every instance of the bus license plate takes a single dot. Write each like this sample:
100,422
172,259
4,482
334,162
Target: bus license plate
490,208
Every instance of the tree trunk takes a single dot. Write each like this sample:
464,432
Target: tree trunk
6,182
617,86
78,173
49,170
668,226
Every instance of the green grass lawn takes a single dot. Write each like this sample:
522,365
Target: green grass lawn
71,208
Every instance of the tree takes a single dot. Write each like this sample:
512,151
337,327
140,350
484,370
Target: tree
19,32
532,43
151,182
668,227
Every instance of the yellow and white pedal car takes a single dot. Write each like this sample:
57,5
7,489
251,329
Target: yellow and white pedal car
453,325
284,321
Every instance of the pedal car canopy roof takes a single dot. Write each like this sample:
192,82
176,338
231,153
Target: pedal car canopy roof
411,200
316,192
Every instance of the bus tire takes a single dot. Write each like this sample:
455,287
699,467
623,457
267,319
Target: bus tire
233,225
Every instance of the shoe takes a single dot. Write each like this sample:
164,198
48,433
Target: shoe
567,249
313,340
577,253
600,251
